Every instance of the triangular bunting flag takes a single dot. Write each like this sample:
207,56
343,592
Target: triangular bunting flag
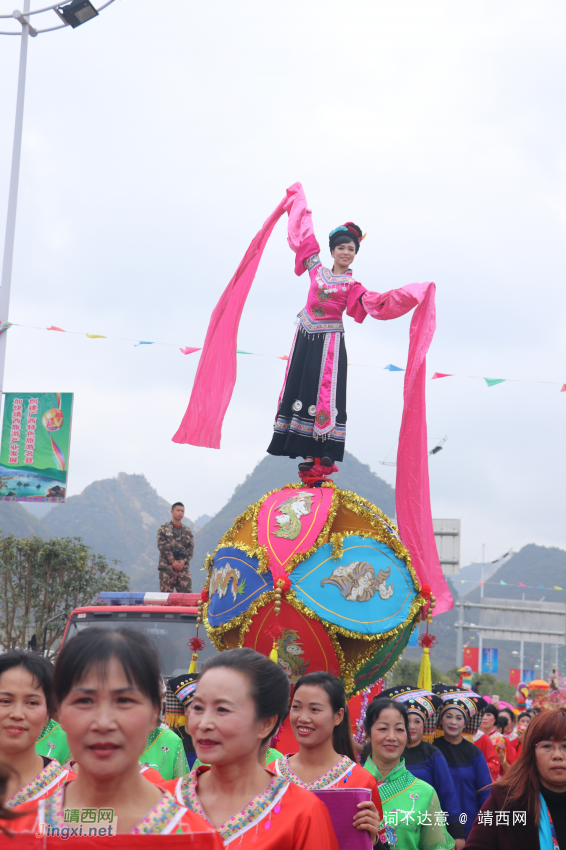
542,587
563,390
502,582
239,351
491,382
522,585
53,328
189,350
441,375
142,342
557,588
391,368
96,336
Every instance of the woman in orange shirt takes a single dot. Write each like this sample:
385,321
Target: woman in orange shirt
239,703
108,690
321,724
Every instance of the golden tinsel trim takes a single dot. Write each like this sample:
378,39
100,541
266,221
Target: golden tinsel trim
337,548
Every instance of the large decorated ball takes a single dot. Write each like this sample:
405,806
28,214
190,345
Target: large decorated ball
322,574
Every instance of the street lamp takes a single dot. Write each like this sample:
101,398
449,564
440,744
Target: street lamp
79,12
71,14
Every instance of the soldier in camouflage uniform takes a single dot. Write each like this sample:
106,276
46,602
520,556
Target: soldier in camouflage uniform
176,546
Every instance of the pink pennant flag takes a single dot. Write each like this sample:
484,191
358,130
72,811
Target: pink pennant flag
53,328
285,357
441,375
189,350
522,585
563,390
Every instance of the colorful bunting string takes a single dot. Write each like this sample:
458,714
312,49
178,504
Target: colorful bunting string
491,382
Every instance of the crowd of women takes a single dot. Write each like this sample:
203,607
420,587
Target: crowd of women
440,769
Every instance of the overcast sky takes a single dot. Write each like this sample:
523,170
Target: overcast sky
159,136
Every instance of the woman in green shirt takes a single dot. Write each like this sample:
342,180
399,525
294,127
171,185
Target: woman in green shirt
411,811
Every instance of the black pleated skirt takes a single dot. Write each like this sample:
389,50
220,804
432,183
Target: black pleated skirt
293,434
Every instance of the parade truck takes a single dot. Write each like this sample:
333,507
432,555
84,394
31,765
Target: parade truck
167,619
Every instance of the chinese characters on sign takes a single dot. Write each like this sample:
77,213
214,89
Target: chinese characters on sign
36,437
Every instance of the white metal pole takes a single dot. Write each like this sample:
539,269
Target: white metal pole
13,195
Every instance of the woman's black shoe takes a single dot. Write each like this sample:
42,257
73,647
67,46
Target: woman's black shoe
326,461
306,465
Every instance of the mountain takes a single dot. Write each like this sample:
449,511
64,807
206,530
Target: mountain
533,566
117,517
271,473
14,519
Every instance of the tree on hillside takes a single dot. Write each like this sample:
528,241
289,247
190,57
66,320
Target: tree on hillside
41,580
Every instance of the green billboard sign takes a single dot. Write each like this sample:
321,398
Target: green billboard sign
36,438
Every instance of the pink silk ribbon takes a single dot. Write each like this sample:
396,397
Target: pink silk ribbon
412,489
216,373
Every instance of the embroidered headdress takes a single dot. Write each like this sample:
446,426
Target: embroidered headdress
180,694
417,701
348,232
471,705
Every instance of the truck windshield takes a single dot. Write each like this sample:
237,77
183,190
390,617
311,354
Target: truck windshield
169,633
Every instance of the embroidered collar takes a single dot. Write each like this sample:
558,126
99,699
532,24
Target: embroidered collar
340,770
257,809
394,783
161,819
326,276
47,729
153,736
43,781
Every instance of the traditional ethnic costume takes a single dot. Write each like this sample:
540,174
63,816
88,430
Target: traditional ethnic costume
271,755
165,818
345,773
52,743
52,776
498,744
311,416
164,752
413,817
425,761
283,817
466,762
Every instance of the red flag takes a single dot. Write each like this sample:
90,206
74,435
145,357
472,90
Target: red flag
53,328
514,677
446,375
471,658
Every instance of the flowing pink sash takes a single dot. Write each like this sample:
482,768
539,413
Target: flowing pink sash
216,373
412,490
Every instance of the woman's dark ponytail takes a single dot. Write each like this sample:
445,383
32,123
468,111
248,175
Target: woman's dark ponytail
342,735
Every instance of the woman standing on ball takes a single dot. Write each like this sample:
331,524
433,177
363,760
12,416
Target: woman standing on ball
321,724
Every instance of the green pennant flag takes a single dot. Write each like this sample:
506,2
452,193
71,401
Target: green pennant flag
239,351
502,582
491,382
